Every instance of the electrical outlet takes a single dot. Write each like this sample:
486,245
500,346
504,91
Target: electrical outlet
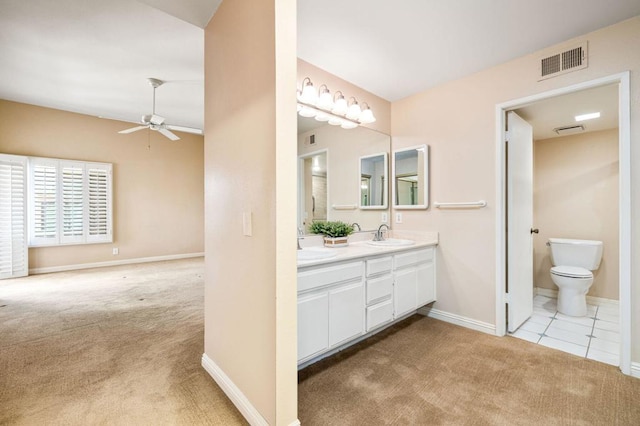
116,251
398,217
384,218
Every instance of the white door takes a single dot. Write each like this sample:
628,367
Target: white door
313,324
14,261
519,220
404,291
346,313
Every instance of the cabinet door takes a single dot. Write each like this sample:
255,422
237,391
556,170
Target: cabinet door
346,313
404,291
426,291
313,324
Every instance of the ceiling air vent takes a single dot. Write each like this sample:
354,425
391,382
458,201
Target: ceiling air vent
569,130
564,62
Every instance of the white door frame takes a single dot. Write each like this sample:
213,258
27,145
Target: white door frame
624,231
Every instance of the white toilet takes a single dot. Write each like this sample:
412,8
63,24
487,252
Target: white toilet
573,262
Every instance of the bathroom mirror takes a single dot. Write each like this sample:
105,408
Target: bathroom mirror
312,169
344,150
411,177
373,181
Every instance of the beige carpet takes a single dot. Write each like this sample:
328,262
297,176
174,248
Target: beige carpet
427,372
110,346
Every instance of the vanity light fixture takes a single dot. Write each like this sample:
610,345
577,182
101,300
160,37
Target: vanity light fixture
335,109
589,116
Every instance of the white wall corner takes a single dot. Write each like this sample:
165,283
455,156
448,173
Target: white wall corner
458,320
635,369
236,396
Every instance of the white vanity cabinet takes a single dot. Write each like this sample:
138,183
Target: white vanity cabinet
330,307
414,280
342,302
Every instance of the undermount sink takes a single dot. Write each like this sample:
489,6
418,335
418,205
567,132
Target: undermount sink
391,242
316,253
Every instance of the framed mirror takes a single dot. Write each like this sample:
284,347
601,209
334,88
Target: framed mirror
374,181
411,177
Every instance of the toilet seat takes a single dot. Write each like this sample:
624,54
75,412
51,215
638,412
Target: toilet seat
571,272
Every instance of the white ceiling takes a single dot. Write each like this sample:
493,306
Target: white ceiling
94,56
546,115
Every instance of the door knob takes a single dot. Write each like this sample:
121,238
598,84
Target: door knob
535,230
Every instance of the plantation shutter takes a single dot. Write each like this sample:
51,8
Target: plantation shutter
13,217
99,203
72,202
44,198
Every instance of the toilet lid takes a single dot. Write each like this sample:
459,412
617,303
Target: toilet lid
571,271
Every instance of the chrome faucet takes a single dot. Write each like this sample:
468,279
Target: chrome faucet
300,237
379,236
355,225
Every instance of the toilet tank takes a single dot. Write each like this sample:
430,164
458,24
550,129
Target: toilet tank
582,253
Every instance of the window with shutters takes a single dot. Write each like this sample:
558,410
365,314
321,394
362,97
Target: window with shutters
70,202
13,217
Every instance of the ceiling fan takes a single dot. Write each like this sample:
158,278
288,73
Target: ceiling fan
155,122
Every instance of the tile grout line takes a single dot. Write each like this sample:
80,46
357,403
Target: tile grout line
595,315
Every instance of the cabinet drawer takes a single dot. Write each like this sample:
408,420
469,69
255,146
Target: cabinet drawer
379,266
314,278
379,314
413,257
379,288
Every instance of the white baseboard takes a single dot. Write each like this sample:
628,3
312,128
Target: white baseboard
63,268
458,320
236,396
635,369
590,299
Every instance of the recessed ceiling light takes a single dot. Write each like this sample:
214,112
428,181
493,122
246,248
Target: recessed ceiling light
589,116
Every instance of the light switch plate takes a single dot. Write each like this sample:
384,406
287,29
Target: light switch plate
398,217
384,218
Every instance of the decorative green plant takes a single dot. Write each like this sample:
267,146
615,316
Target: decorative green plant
331,229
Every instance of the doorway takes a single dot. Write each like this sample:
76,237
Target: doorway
624,240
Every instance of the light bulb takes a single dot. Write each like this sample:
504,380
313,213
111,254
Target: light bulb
309,94
354,111
367,117
321,116
340,106
348,125
325,101
335,121
307,112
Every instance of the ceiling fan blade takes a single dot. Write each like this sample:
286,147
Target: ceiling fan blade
156,119
133,129
168,134
184,129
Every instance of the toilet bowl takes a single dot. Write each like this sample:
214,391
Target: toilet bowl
574,283
573,262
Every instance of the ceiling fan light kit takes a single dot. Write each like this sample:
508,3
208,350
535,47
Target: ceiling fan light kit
156,122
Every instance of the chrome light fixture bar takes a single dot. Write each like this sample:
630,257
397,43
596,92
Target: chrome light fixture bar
335,110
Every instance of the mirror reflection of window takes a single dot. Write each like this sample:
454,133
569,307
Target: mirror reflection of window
410,177
314,188
365,190
373,181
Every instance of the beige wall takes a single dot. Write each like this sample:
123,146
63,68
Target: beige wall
575,195
457,120
158,193
250,166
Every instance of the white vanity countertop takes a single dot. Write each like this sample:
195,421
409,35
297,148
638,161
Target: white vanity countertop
358,249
